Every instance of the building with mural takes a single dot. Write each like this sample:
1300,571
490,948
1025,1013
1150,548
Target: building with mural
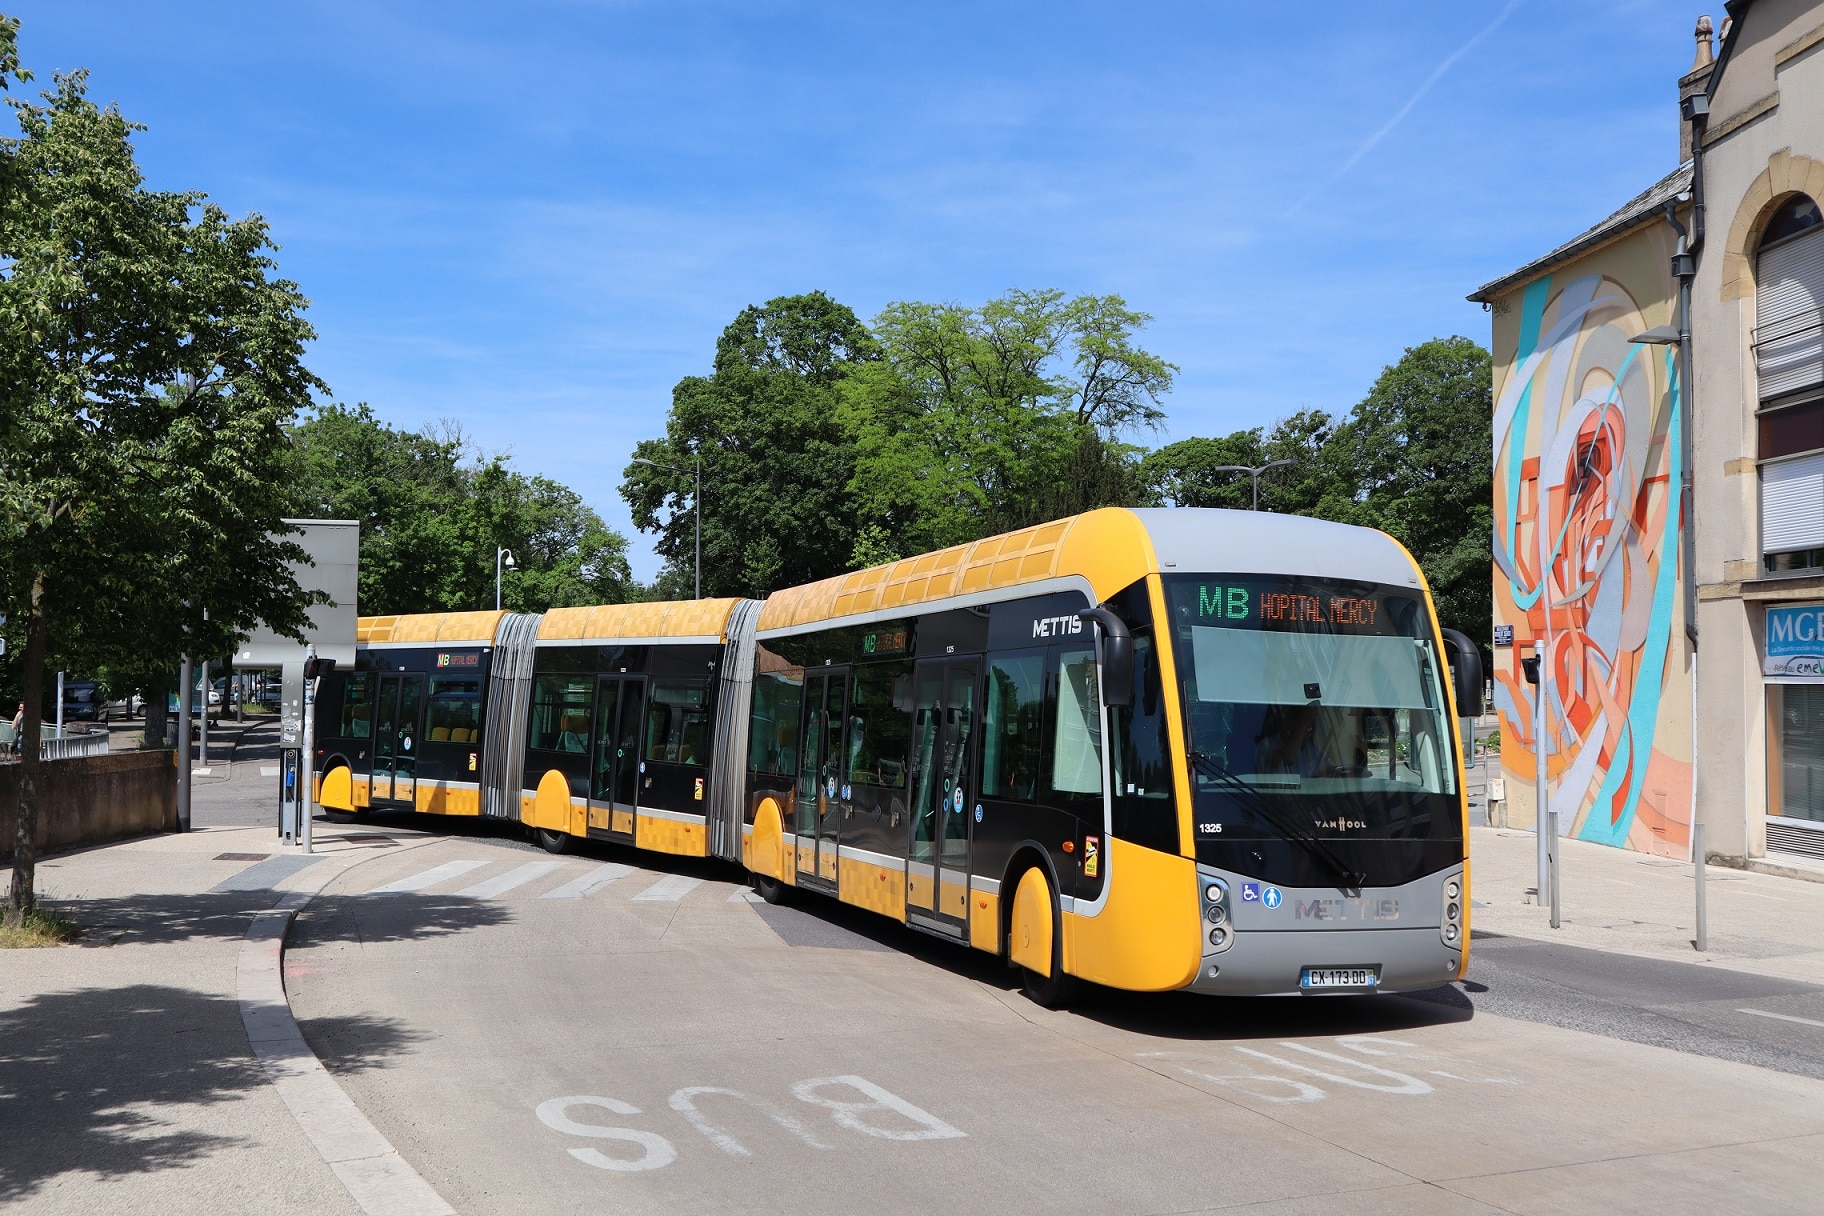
1659,479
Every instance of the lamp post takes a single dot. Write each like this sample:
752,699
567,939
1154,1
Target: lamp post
1680,336
696,509
1251,472
500,556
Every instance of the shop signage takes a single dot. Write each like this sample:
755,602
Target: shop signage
1795,642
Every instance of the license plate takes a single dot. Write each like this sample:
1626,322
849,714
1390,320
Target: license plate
1325,978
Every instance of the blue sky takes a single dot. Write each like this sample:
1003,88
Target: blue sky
535,217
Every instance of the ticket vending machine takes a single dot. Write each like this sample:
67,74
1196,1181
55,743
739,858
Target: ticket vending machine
290,770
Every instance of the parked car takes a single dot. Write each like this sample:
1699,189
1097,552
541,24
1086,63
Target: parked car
82,700
129,706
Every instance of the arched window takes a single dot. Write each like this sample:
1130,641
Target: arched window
1789,364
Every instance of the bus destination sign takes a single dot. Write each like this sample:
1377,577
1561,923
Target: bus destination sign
1259,606
892,640
456,658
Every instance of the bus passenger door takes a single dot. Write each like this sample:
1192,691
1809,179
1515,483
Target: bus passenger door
405,755
615,767
943,789
386,737
820,791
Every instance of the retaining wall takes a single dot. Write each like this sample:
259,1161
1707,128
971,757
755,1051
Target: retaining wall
92,799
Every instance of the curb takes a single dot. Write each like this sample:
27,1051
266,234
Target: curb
378,1179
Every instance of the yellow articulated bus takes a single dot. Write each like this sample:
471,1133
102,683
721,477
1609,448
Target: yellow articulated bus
1152,749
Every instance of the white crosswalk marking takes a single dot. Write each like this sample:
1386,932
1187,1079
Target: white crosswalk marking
594,880
429,878
669,889
500,884
741,895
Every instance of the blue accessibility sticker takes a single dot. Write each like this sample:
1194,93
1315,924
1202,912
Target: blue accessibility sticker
978,812
1271,897
1250,892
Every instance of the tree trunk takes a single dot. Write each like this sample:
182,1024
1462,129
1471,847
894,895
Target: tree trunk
158,730
22,898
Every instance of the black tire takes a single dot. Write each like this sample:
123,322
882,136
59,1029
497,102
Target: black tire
771,889
552,841
1057,990
341,816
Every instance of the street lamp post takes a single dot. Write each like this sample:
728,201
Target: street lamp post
500,555
696,509
1251,472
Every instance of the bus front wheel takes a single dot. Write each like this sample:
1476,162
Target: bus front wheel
771,889
552,841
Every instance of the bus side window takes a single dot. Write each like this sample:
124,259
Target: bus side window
358,705
1144,811
1013,737
1076,744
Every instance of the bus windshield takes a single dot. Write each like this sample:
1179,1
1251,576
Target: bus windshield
1314,708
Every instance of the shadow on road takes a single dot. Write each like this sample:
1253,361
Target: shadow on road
183,918
104,1082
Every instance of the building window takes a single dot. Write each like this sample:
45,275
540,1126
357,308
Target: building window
1801,759
1789,365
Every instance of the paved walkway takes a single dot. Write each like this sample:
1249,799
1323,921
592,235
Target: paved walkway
1610,899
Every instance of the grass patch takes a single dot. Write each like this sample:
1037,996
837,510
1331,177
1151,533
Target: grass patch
43,927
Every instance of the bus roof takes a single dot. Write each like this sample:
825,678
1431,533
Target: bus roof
674,620
429,628
1099,552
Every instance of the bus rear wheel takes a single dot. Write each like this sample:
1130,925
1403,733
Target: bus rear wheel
552,841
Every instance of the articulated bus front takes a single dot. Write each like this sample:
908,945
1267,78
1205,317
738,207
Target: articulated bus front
1328,810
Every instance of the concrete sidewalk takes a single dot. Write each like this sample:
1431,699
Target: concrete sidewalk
1612,899
126,1078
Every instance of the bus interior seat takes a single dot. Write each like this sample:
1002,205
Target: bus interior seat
440,734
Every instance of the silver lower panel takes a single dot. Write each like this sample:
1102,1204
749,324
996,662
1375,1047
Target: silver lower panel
1269,964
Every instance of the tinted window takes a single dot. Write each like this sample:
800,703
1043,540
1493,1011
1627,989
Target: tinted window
560,713
1076,745
1145,810
1014,740
358,706
455,712
880,724
677,722
772,735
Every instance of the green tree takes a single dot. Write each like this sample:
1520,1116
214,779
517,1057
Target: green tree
1419,445
776,462
980,419
149,363
433,510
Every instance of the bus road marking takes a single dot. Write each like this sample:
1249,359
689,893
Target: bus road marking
669,889
428,878
1348,1071
879,1113
592,881
500,884
1784,1017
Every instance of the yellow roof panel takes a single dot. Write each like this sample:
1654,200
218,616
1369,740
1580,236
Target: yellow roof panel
664,619
1109,547
430,628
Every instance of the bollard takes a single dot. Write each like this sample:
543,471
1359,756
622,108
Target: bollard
1553,861
1703,912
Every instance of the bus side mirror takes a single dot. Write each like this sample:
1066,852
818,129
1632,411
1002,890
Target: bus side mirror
1465,674
1117,647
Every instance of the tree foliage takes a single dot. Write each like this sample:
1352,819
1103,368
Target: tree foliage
1411,459
149,362
776,462
433,511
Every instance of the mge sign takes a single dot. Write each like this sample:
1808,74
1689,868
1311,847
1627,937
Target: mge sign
1795,641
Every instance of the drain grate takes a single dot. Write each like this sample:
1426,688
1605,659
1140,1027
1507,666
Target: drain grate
242,856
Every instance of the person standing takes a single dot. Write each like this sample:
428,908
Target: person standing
18,728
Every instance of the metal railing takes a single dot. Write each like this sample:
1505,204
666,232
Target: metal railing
53,744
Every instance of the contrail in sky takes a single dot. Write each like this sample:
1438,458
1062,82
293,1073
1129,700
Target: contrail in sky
1391,123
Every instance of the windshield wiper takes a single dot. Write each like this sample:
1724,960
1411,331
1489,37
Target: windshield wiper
1299,830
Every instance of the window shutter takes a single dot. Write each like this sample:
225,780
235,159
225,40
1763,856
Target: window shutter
1792,505
1788,336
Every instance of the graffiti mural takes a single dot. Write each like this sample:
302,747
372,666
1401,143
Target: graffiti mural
1586,470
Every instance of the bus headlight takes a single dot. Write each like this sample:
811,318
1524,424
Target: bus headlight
1216,914
1215,893
1220,938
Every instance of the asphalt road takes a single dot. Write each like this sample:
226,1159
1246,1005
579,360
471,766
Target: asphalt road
623,1032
